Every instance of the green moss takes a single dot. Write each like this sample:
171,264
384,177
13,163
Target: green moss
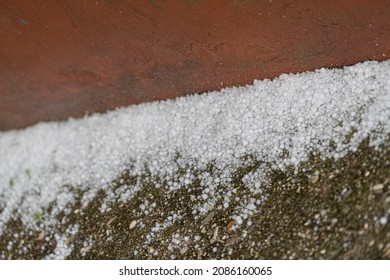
38,217
11,183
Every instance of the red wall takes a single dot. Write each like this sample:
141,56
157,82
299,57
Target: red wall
69,58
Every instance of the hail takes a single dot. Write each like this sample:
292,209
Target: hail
172,144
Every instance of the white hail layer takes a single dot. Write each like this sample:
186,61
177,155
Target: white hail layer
298,113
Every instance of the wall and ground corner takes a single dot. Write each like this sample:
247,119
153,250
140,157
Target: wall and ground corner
296,167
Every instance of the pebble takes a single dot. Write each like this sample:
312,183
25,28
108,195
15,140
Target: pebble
378,188
132,224
110,221
387,253
215,235
208,218
85,204
41,235
314,179
230,226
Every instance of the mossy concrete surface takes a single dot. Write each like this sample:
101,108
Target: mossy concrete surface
325,209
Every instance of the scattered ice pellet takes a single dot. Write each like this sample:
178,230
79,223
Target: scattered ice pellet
383,220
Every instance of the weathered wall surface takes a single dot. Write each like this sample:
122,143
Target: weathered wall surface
69,58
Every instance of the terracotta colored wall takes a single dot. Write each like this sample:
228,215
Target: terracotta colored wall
67,58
